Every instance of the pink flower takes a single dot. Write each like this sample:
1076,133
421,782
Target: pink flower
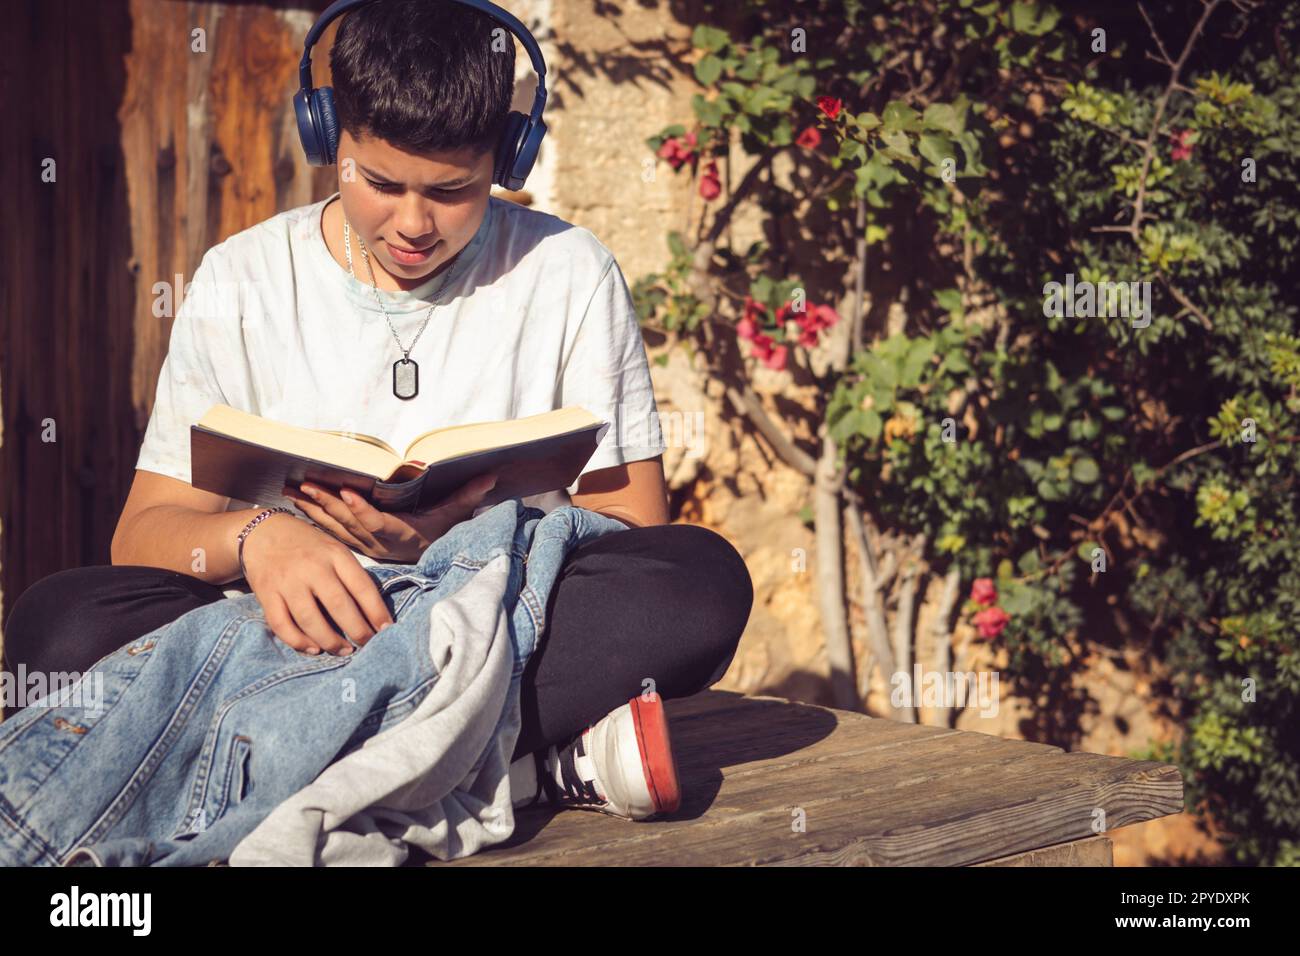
991,621
809,138
983,592
747,329
1183,149
710,185
679,151
768,352
810,322
829,105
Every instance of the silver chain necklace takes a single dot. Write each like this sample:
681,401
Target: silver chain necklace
406,372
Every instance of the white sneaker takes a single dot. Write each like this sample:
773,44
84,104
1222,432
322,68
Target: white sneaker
621,765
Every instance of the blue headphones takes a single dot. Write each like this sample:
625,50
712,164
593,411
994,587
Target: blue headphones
318,125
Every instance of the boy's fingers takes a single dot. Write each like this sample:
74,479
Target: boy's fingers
365,592
368,516
343,610
328,522
279,620
309,617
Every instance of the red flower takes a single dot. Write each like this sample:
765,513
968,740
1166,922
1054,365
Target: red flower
1183,149
810,322
991,621
983,592
829,105
679,151
710,184
746,328
768,352
809,138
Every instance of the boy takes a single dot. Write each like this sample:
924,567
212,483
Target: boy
507,312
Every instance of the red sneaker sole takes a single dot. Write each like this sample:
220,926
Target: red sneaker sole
651,723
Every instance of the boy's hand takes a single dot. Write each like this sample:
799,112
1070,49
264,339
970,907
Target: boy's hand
388,535
298,573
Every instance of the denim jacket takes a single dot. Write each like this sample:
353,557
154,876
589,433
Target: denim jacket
213,740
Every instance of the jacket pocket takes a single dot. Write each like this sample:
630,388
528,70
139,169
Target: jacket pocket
404,588
237,779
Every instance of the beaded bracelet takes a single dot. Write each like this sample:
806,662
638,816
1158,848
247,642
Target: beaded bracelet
249,527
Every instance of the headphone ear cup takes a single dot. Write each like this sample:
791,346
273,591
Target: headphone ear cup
308,132
508,149
523,164
329,123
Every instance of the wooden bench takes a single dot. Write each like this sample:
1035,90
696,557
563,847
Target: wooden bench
870,792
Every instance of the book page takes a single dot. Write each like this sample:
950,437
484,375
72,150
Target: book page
369,439
331,448
456,440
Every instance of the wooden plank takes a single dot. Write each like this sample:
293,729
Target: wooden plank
1094,851
66,300
209,143
872,792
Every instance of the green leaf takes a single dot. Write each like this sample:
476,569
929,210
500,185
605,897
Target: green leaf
1033,19
708,112
956,363
898,116
708,69
1086,548
849,424
709,38
880,374
936,148
1085,471
918,357
871,424
867,121
949,300
945,117
897,143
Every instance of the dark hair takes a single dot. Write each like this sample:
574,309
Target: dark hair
422,75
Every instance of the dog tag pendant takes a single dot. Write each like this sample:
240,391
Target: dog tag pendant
406,378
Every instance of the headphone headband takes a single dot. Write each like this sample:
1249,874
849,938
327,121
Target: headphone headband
503,17
318,125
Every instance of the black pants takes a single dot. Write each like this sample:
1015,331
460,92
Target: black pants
666,603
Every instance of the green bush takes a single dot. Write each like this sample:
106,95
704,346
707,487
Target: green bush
1143,462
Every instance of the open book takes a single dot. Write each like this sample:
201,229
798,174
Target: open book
251,458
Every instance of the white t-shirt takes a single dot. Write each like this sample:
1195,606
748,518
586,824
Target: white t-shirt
534,315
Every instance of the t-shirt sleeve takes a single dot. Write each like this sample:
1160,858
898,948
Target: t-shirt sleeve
607,372
201,369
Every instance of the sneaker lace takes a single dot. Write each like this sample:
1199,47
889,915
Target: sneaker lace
576,789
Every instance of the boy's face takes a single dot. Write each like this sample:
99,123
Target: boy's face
415,212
